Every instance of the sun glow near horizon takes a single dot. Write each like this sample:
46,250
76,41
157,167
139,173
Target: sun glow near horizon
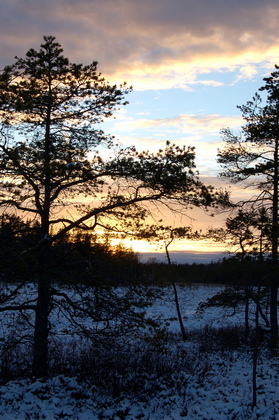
143,246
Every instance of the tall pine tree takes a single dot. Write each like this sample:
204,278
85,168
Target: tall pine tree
58,166
252,157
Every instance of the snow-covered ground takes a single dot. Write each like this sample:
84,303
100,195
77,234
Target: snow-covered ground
217,385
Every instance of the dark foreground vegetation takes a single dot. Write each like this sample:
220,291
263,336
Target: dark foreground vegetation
138,367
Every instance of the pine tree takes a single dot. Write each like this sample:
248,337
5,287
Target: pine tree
58,166
253,157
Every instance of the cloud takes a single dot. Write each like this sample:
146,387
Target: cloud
195,125
152,44
247,72
200,131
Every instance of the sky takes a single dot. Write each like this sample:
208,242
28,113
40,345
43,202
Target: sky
190,64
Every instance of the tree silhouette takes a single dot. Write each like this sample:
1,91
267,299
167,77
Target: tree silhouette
252,158
59,167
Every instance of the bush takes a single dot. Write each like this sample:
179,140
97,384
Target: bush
222,339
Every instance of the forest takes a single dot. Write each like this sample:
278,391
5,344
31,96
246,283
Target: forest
89,331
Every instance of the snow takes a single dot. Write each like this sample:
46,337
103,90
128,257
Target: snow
217,385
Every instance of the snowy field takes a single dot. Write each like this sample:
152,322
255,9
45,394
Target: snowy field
217,385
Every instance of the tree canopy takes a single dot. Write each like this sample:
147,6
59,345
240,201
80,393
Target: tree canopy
52,151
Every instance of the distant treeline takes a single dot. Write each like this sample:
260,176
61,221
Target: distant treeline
81,257
226,271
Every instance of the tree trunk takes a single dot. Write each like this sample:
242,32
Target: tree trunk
247,298
256,351
40,350
274,274
40,354
273,311
184,336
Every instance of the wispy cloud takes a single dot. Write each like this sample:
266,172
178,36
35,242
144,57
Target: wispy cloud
184,124
200,131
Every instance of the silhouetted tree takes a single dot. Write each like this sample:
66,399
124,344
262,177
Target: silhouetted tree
59,167
253,156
